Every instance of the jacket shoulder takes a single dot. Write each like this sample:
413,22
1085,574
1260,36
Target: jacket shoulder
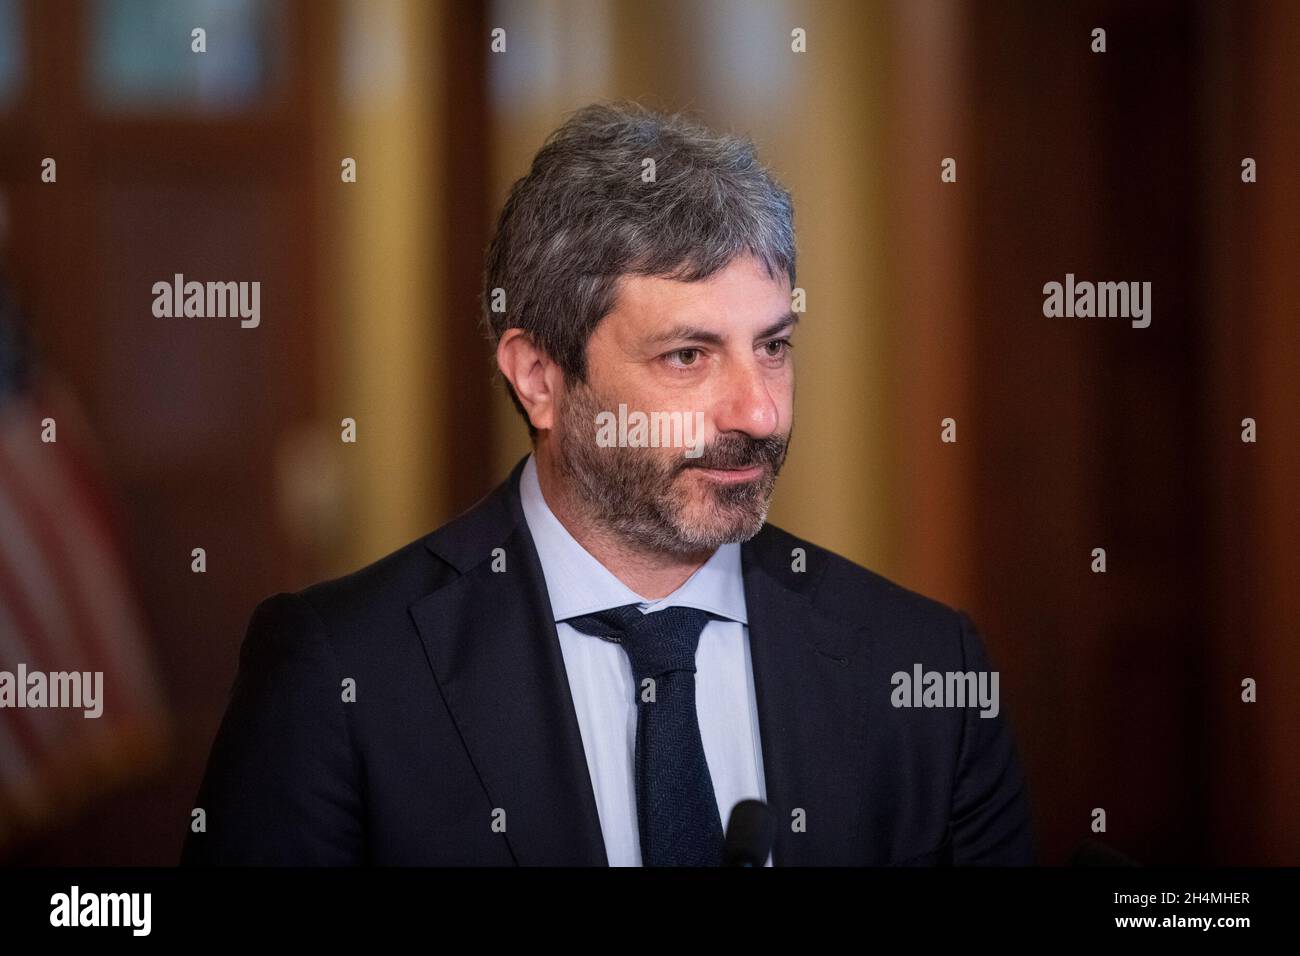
376,597
843,588
392,582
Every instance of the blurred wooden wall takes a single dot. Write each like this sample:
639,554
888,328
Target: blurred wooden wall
1124,688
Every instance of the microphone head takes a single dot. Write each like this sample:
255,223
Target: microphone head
750,833
1095,853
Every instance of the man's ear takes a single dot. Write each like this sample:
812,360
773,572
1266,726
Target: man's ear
532,374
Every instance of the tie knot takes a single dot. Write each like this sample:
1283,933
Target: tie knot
655,643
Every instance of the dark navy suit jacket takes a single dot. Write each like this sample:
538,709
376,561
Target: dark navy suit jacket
462,710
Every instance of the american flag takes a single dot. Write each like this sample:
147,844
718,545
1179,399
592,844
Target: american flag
65,606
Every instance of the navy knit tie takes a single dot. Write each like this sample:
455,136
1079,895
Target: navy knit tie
677,811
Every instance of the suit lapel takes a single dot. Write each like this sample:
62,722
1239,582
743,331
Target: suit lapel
492,645
810,684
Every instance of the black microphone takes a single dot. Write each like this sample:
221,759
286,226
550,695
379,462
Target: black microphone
750,833
1095,853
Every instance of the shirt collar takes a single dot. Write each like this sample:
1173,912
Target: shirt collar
579,584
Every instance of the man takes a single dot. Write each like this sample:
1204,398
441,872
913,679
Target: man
599,660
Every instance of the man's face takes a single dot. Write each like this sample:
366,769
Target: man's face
715,351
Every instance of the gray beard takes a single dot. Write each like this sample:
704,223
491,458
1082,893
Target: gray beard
634,492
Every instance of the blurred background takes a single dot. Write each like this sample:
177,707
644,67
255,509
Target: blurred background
924,302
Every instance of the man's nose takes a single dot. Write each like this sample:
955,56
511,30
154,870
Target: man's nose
746,403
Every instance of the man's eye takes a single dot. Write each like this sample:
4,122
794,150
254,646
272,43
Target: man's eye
782,346
685,356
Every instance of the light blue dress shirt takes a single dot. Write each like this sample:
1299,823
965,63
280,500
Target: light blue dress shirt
600,676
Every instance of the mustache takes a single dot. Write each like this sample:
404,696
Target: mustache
741,451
